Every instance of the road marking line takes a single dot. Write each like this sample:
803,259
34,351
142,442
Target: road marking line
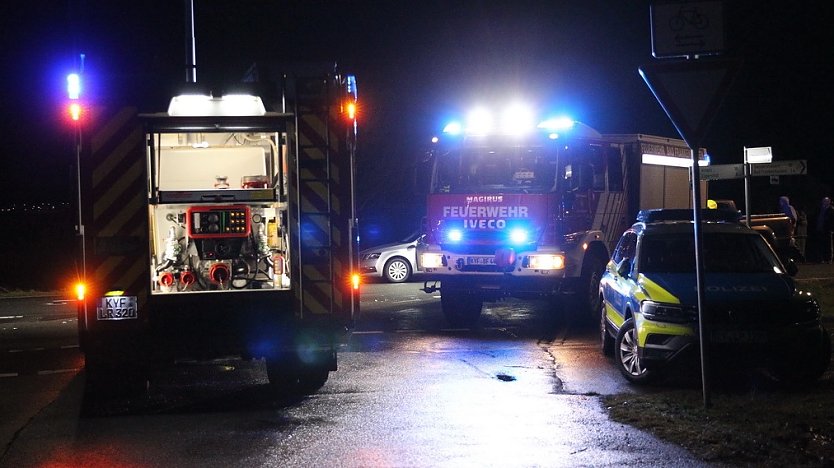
12,374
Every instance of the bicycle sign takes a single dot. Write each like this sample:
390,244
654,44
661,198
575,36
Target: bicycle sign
687,29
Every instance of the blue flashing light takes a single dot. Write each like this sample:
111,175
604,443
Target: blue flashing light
519,236
558,123
73,86
453,128
351,86
455,235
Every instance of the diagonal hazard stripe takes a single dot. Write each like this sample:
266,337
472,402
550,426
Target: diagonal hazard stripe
312,130
128,273
314,305
314,231
126,221
119,188
115,124
313,197
114,162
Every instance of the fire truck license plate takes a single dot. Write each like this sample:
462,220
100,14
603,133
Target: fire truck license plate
117,308
480,260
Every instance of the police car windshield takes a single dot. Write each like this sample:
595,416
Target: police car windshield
723,253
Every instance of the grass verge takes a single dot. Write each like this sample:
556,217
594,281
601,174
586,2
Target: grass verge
754,422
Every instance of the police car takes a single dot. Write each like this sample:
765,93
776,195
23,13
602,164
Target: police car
755,316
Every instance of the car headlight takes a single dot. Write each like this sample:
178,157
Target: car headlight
672,313
431,260
371,256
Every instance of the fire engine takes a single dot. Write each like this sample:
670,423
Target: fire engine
532,209
220,228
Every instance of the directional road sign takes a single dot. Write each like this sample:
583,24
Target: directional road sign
722,171
795,167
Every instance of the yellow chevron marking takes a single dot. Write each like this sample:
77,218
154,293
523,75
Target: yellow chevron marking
125,182
313,273
313,305
122,279
319,190
313,152
119,223
113,159
115,123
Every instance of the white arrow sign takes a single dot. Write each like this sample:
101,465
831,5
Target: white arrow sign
721,171
795,167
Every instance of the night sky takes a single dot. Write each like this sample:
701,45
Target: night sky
417,63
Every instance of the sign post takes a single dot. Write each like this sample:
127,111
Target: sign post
690,92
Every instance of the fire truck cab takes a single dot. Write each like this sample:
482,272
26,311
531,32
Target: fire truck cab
220,228
532,211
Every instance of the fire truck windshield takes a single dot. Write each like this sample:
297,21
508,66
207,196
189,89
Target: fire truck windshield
519,169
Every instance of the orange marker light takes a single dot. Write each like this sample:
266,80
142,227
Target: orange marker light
351,110
355,280
75,111
80,290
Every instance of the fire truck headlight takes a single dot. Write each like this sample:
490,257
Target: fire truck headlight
431,260
546,262
519,236
454,235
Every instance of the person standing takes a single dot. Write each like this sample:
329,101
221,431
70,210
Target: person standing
823,228
801,232
789,211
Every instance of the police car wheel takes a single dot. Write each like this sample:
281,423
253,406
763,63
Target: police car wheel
606,340
627,356
397,270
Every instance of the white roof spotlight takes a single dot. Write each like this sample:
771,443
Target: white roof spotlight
517,119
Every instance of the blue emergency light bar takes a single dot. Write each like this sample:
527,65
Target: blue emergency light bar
673,214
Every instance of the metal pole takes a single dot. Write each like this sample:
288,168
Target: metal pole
78,141
746,189
190,45
699,275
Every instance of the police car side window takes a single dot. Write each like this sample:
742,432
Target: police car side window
626,247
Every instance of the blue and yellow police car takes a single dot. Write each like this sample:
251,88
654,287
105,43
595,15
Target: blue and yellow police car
755,315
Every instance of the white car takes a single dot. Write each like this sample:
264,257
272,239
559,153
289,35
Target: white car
394,262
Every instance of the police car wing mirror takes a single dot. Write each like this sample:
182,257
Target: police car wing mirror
624,267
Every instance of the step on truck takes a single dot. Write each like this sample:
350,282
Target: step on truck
533,211
220,228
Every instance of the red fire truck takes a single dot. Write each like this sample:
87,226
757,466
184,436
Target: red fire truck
532,210
220,228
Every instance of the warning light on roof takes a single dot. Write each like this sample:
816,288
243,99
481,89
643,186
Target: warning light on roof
75,111
73,86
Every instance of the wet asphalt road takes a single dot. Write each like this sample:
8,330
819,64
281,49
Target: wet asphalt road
520,390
